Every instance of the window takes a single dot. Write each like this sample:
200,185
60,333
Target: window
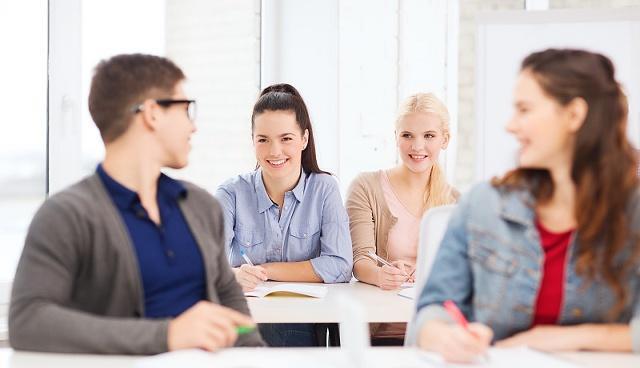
23,142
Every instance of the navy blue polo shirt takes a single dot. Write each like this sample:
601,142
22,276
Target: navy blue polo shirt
169,258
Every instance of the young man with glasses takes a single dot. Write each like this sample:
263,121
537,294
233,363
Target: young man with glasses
128,260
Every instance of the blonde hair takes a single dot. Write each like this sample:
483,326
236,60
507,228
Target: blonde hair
438,192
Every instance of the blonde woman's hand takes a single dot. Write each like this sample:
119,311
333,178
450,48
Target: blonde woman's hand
407,268
390,278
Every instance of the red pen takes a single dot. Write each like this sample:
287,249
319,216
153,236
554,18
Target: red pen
455,313
457,316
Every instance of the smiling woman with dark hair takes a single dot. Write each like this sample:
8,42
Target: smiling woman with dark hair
286,216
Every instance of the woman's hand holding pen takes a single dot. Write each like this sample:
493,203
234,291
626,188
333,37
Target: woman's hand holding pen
250,276
408,268
392,276
454,342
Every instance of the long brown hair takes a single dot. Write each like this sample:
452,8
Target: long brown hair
285,97
604,163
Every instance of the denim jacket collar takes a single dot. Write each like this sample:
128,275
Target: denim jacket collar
517,206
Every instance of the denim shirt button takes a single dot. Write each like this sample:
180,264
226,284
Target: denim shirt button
576,312
533,273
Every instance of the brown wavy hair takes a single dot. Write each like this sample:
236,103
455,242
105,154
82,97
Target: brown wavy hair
604,162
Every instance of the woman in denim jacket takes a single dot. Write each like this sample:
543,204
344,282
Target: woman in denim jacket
546,256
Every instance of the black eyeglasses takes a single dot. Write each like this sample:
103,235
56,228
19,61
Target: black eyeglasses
191,106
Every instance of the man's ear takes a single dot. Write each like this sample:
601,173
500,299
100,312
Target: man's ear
148,111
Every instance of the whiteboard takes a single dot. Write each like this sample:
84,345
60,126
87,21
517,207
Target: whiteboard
505,38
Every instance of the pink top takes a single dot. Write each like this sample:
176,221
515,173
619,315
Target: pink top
402,245
403,236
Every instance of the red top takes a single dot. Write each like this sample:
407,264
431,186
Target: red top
549,300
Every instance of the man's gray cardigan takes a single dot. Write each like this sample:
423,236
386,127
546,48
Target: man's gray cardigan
78,287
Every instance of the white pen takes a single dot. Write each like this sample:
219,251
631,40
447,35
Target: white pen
375,257
246,258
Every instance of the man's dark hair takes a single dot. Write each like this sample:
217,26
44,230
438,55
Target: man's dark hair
122,82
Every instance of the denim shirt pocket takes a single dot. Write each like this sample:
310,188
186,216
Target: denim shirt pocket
492,254
492,260
303,243
494,265
251,243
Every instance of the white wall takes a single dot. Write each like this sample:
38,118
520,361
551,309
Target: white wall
300,47
505,38
65,97
353,62
217,44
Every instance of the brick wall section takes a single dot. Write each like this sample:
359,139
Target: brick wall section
217,43
465,165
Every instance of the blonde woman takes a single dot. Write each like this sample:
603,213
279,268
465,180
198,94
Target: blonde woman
385,206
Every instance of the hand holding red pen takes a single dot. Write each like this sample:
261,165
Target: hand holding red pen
461,342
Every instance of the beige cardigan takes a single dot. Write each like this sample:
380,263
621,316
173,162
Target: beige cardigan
369,216
370,221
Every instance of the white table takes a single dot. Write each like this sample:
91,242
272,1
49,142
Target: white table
281,358
379,305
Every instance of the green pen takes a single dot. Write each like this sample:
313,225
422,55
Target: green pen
243,330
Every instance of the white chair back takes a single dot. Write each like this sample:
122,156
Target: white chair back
432,228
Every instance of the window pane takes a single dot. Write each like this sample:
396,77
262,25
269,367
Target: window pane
23,144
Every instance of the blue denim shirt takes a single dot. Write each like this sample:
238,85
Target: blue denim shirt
490,264
313,224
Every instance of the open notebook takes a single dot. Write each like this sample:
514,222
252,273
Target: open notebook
316,291
409,292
